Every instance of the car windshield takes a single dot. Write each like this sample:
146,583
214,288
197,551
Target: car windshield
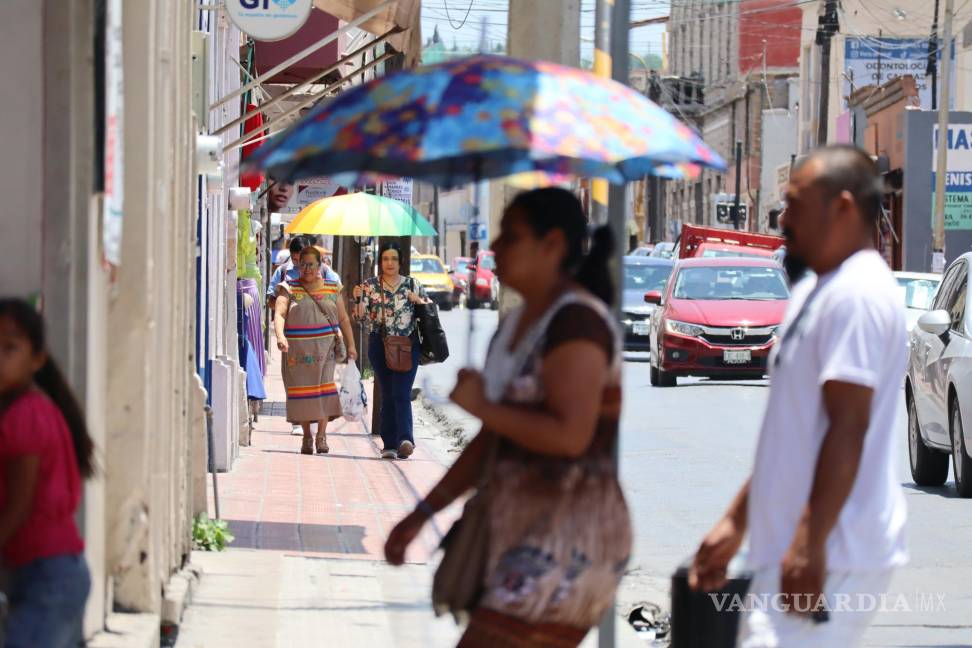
462,267
721,254
645,277
738,282
919,293
430,266
487,262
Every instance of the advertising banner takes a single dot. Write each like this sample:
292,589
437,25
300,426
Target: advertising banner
958,177
872,61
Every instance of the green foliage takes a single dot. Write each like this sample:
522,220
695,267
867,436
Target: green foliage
210,535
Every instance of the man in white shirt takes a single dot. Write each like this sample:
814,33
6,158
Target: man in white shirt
824,506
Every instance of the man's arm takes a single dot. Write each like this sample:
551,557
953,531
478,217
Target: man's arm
708,571
848,408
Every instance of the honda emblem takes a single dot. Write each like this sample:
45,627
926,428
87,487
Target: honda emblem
737,334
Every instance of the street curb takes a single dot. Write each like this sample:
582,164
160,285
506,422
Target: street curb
177,594
127,630
446,426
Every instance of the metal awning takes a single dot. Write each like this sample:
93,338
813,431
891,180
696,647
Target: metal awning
402,15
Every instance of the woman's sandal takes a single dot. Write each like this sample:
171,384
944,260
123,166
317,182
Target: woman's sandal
321,445
307,447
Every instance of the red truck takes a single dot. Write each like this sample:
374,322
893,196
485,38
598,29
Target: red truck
714,242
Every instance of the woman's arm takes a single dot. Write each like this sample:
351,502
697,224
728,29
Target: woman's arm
21,483
359,295
346,329
280,308
574,376
463,475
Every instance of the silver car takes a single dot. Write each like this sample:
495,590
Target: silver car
938,386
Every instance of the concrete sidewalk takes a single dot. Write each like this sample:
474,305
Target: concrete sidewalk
307,563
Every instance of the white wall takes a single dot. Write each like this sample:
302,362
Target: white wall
21,134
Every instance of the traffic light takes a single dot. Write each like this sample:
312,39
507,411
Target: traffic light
725,211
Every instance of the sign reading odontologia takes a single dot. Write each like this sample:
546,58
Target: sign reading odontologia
873,61
269,20
958,177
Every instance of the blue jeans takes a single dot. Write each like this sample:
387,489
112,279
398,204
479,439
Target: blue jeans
47,598
396,394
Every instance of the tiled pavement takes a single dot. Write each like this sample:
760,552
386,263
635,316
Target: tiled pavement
306,568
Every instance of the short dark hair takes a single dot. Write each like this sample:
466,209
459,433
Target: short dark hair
848,168
297,244
390,245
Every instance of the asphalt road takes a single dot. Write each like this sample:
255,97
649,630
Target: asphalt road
684,453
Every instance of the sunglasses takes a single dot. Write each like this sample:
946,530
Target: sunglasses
308,266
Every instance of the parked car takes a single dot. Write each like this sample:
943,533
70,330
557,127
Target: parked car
663,250
642,250
716,318
459,272
919,290
429,270
938,387
485,288
641,275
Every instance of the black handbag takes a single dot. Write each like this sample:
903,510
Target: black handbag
697,622
433,346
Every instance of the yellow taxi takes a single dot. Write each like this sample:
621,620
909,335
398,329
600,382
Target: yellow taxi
429,271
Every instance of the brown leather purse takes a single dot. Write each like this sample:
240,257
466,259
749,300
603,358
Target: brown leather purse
398,348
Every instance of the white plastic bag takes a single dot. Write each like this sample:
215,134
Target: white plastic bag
354,401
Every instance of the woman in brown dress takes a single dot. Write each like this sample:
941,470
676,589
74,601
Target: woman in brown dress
550,400
309,313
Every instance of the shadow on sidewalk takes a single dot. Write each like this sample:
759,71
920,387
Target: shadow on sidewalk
285,536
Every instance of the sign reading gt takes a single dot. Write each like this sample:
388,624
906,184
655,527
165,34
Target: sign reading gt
269,20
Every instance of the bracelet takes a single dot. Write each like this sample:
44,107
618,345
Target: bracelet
425,508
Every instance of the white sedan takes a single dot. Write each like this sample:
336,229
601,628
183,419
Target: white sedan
918,290
938,387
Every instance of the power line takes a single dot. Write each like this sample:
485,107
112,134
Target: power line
465,18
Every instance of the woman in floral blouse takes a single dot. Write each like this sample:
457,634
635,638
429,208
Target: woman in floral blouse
386,305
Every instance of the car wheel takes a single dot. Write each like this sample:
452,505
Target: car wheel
653,376
928,467
666,379
961,463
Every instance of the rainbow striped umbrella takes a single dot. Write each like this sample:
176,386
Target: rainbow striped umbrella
360,214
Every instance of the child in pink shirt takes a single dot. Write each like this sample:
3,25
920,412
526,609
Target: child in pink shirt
45,451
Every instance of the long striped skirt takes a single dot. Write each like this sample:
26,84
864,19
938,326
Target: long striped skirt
308,372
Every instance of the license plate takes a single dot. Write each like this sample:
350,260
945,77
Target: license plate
641,328
737,357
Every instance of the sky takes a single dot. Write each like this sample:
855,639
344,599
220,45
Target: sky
453,22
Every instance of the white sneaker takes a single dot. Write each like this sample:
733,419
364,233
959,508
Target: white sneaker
389,454
297,430
405,449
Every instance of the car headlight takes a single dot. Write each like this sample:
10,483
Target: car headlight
775,332
482,283
683,328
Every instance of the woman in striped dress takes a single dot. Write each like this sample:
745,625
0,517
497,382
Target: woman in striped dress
309,313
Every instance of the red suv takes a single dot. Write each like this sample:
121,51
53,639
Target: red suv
717,317
484,288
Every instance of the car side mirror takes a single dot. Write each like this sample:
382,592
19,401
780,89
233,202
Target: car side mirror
653,297
936,322
472,268
448,270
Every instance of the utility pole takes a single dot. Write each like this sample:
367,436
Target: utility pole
828,25
941,166
736,201
932,68
603,14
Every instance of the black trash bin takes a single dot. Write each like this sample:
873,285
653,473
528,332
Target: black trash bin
697,621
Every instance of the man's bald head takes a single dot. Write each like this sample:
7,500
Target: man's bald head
841,167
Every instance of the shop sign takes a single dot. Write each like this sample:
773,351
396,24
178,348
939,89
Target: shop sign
870,60
269,20
400,189
958,177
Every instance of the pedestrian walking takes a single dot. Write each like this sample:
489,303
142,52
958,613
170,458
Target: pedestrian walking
45,452
386,306
310,323
559,533
824,507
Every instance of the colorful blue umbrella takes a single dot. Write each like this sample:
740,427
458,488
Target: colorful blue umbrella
488,116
